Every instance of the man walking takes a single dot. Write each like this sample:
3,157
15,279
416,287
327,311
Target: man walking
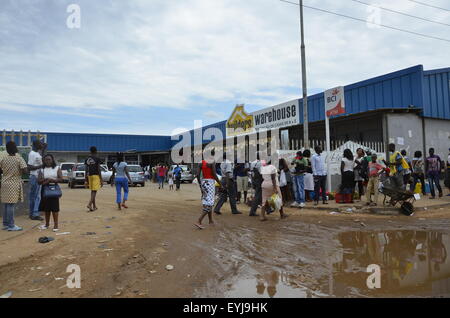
229,184
34,164
433,172
177,174
93,177
320,175
257,180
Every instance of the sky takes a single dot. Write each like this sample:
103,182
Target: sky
154,66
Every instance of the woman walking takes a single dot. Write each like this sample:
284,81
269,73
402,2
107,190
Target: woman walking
359,178
121,178
270,187
13,166
285,181
207,188
347,173
49,177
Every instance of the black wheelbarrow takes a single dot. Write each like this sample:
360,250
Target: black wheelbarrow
393,196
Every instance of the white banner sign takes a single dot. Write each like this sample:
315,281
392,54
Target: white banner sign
279,116
334,101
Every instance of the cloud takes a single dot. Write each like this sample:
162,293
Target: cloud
178,55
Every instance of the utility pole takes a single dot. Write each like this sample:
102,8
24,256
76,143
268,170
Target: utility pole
305,90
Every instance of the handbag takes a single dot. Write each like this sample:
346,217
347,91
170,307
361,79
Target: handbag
51,191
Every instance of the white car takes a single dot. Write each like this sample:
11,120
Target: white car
66,168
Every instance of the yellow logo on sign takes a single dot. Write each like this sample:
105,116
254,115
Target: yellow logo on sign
239,122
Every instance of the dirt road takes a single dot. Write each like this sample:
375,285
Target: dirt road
309,254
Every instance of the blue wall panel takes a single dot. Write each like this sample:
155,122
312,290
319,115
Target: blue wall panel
436,91
106,143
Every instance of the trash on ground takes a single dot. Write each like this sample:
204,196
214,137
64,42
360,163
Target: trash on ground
63,233
45,239
90,233
34,290
334,213
59,278
169,267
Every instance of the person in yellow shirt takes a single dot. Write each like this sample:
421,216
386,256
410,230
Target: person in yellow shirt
395,164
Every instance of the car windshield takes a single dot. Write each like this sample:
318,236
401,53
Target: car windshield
81,168
66,166
134,169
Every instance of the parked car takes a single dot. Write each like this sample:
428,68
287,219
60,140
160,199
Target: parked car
77,175
137,175
66,168
186,174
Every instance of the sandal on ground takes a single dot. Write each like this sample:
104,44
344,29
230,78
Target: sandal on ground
43,227
124,206
55,230
199,226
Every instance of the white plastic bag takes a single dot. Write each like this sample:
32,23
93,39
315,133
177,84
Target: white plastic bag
275,202
283,181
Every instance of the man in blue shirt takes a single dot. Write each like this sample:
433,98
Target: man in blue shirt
177,174
320,175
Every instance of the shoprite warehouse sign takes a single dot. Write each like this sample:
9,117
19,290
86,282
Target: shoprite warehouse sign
334,101
239,122
279,116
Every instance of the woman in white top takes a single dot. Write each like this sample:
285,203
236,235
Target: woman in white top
269,187
347,173
49,174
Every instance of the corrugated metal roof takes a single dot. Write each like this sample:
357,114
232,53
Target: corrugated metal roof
107,143
436,93
400,89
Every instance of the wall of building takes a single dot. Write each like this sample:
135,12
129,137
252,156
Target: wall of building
405,131
437,135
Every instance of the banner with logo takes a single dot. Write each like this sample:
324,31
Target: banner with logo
278,116
239,122
334,101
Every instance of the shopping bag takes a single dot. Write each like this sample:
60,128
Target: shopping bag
275,202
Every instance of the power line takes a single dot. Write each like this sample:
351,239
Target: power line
401,13
429,5
369,22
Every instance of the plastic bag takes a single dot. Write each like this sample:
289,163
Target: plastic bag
418,188
283,181
275,202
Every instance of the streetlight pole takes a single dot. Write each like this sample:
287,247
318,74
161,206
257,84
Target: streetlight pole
305,90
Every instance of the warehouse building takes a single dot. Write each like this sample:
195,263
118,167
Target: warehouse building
410,108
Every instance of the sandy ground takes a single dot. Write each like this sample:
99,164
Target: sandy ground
127,255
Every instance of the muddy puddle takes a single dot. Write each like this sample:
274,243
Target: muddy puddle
308,261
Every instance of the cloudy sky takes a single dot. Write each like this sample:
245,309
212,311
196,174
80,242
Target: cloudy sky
152,66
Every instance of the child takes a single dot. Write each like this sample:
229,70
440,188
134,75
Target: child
375,169
170,176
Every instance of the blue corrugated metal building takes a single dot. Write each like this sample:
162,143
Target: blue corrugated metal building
410,107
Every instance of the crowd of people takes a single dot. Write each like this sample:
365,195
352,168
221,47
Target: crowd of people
305,180
252,183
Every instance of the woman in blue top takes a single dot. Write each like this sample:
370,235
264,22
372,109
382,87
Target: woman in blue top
120,178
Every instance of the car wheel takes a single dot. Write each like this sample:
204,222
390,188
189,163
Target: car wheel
143,184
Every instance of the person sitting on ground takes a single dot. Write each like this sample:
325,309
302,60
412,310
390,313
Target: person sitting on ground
50,174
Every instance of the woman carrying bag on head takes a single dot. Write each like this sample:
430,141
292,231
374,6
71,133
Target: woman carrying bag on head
49,177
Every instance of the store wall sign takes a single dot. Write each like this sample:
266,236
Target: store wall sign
334,101
239,122
279,116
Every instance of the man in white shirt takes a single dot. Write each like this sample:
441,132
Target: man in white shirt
34,164
228,183
320,175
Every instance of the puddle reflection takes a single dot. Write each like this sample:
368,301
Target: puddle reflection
413,263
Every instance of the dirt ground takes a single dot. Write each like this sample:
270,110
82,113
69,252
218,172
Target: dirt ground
128,254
